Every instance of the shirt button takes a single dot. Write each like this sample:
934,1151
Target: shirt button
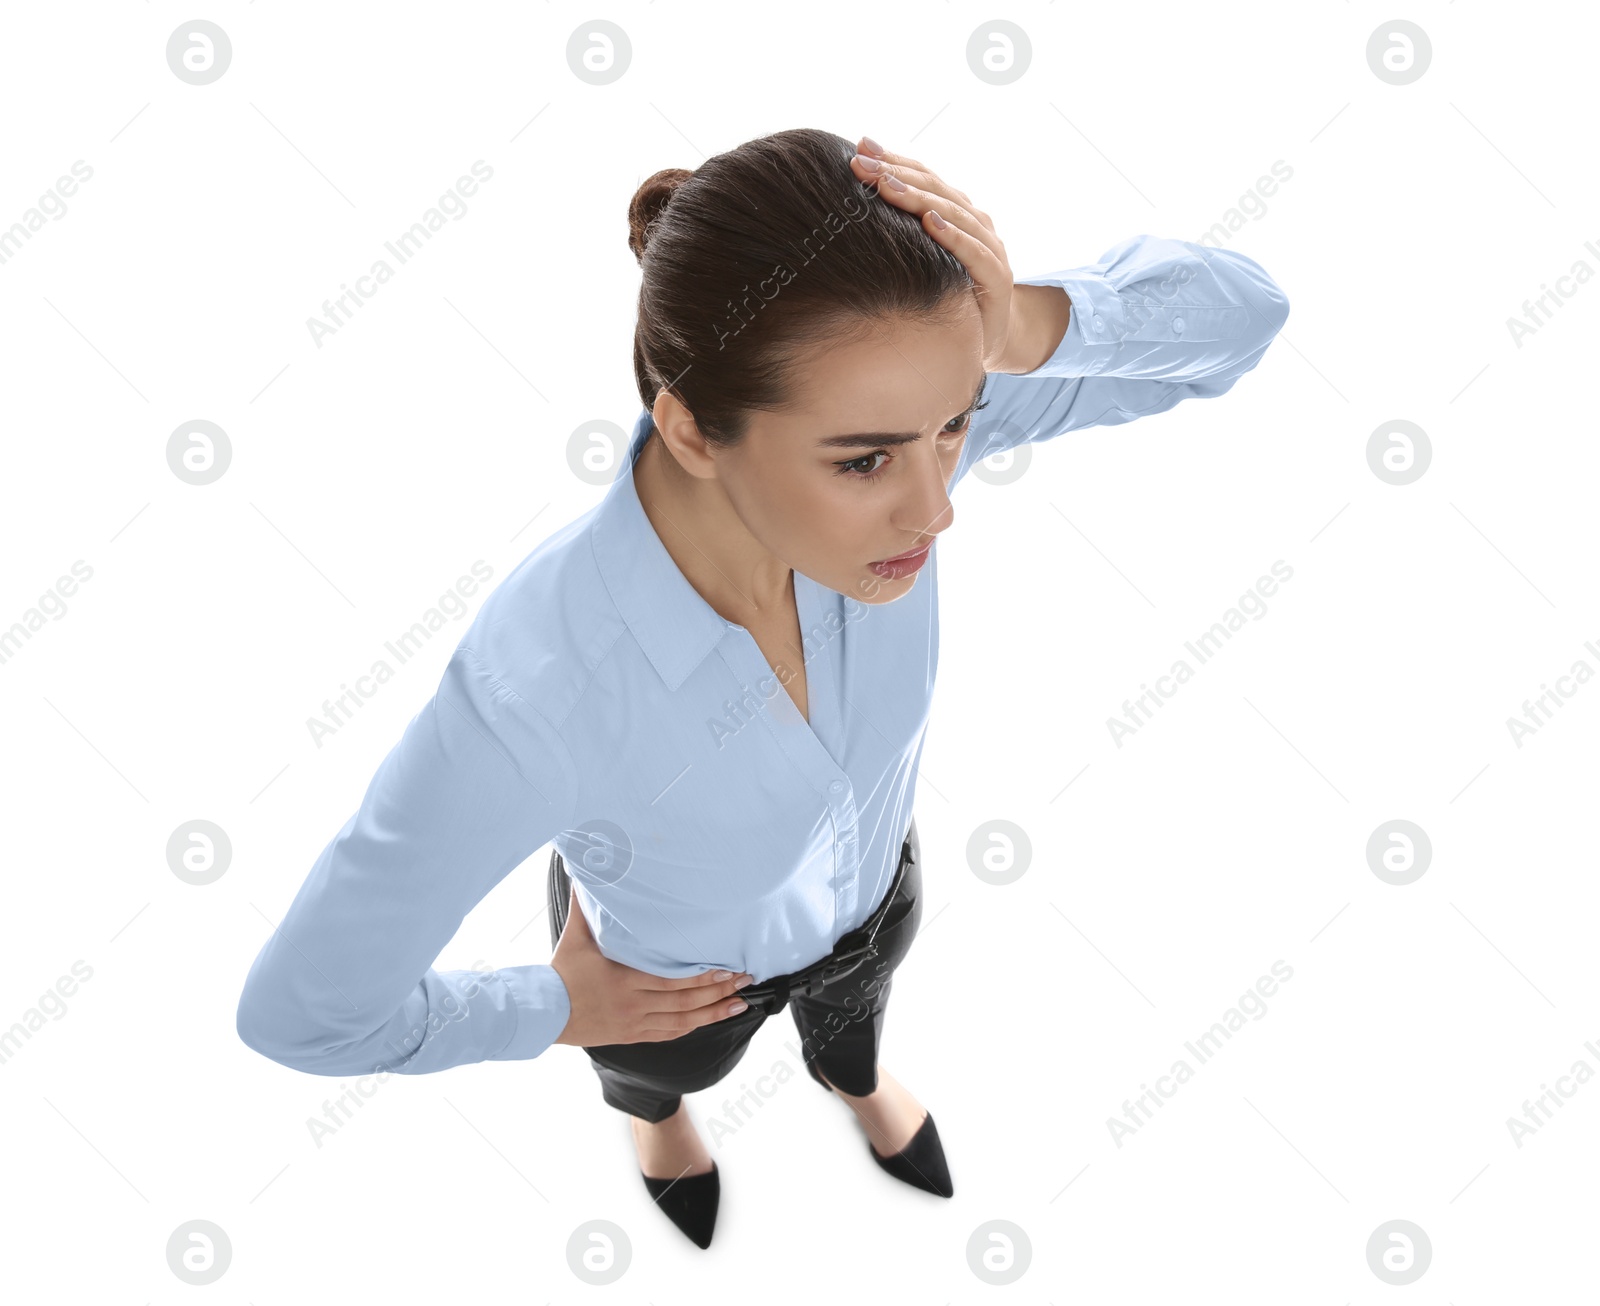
1099,324
1177,324
837,787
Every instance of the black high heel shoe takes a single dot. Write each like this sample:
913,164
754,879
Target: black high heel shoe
690,1202
920,1163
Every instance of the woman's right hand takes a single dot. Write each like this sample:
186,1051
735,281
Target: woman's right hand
613,1003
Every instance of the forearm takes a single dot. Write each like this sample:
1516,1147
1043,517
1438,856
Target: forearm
1157,309
1041,315
1152,322
344,985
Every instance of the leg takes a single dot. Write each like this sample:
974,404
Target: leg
648,1080
841,1028
636,1096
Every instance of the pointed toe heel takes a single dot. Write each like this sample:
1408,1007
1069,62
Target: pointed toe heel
690,1202
920,1162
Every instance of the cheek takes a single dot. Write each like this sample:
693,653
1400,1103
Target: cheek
830,519
840,516
792,512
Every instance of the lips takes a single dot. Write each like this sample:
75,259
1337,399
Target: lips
909,553
904,564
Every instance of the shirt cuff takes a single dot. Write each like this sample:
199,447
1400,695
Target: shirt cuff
543,1008
1093,325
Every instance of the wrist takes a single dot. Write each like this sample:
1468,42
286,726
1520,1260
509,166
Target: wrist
1040,316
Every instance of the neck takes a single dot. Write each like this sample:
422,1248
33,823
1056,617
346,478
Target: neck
727,566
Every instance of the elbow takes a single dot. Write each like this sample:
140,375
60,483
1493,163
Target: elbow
1252,285
1276,309
1265,296
1268,305
1269,311
266,1035
283,1032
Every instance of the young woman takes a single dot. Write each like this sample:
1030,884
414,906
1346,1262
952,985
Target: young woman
710,691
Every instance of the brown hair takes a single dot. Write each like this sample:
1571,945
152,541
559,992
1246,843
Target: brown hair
762,252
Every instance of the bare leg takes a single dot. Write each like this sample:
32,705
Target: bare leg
671,1149
891,1115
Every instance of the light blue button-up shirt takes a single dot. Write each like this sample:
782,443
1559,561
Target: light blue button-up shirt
598,702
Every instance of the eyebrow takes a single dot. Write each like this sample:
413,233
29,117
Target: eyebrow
877,438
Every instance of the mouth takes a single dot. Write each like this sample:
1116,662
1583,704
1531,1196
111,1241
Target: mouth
902,564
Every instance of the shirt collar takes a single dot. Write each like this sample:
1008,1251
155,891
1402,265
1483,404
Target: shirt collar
672,623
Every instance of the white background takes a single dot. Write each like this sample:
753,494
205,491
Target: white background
1168,875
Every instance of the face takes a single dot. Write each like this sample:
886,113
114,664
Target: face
855,471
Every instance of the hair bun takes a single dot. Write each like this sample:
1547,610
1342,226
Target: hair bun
649,200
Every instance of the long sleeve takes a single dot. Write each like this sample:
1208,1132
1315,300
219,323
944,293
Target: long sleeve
477,783
1154,321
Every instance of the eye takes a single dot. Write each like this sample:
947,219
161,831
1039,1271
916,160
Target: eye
848,468
959,424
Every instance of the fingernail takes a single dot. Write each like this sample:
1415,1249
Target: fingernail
743,980
872,145
937,220
892,182
721,974
737,1007
870,164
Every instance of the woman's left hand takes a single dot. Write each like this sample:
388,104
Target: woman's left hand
1009,336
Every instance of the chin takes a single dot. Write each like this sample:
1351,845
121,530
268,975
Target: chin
876,590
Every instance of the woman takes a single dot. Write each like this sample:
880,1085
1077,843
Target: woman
710,691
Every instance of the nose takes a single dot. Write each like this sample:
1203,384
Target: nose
926,509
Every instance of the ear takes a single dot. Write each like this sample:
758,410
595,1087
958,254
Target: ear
676,427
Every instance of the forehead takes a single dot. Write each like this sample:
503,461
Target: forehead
898,370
